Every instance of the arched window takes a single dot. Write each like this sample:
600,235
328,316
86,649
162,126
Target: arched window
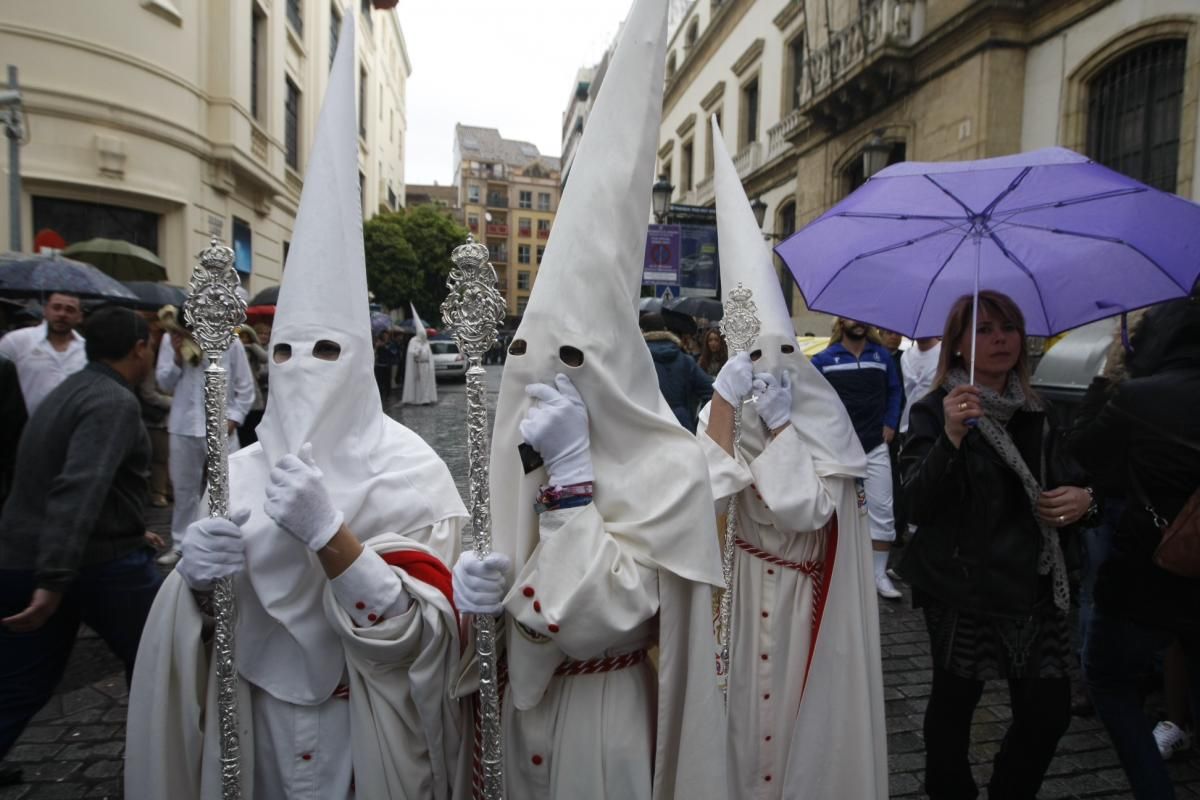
1133,113
693,33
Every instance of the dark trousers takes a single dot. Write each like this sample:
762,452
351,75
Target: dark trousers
1041,712
112,598
1117,655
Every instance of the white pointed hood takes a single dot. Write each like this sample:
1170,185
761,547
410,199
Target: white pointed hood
651,482
418,325
381,475
817,412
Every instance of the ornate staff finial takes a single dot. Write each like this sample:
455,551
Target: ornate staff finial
213,311
740,327
473,310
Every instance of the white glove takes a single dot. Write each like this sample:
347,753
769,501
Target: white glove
773,399
298,503
734,380
481,583
557,427
212,549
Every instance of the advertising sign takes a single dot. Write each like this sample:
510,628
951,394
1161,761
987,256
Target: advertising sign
698,260
661,265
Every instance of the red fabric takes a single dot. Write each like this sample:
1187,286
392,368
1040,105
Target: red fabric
425,568
826,581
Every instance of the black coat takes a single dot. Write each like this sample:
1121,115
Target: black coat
977,543
1118,432
685,386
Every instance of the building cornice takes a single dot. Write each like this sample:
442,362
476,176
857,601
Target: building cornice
666,150
789,13
713,97
686,126
747,59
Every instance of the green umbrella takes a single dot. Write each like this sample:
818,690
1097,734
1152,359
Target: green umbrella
122,260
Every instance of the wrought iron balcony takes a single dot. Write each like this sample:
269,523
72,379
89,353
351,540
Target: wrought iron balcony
862,66
497,200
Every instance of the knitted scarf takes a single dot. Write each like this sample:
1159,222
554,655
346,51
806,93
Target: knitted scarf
993,426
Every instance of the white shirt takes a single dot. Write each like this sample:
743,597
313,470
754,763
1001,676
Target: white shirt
40,367
919,369
187,384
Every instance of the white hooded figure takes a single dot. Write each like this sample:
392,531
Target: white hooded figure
344,651
613,541
805,710
420,386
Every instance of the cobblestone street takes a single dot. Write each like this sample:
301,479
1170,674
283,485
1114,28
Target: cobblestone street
73,748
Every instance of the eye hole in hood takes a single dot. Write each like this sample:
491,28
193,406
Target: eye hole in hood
327,350
571,356
517,348
281,353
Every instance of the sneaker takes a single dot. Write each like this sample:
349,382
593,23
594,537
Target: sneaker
1171,739
168,559
895,576
883,585
158,501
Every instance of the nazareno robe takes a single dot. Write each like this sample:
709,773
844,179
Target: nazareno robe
420,385
805,709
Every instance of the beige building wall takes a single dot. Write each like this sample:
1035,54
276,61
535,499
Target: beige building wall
503,184
936,79
147,106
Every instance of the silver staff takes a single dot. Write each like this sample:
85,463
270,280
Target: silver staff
473,310
739,326
212,311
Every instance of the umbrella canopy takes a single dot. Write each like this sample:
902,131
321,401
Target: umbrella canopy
706,307
122,260
648,305
1069,240
267,297
26,275
153,296
380,322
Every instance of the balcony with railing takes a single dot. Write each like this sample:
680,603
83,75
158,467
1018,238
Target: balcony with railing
748,159
498,252
860,68
705,191
496,229
543,233
495,200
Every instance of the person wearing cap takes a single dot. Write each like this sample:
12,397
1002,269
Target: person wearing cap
604,541
805,685
342,523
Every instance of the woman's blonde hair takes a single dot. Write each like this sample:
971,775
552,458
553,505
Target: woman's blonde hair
999,307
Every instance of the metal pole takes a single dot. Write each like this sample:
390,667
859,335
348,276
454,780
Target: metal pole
739,326
473,310
213,310
13,131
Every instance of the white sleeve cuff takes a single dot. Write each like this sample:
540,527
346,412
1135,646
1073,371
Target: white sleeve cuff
369,591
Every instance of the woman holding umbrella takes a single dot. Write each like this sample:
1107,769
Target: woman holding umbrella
989,491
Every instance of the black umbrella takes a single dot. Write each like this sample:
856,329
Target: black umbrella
677,323
267,297
27,275
705,307
649,305
152,296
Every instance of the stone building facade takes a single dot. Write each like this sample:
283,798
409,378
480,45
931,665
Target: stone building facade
804,87
167,122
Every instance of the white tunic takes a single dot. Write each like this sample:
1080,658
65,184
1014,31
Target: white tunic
383,728
186,383
786,514
420,386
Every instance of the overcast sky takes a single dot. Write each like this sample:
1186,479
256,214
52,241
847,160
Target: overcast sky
507,65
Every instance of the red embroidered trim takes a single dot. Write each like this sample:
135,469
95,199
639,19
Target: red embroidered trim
597,665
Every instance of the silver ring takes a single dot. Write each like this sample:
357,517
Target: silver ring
1062,518
962,406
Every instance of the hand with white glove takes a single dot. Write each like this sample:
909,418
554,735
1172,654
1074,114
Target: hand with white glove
480,583
773,399
298,502
734,380
557,427
212,549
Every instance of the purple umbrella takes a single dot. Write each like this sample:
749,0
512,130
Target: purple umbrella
1070,241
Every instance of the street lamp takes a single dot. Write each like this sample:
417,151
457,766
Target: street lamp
760,211
660,194
875,154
